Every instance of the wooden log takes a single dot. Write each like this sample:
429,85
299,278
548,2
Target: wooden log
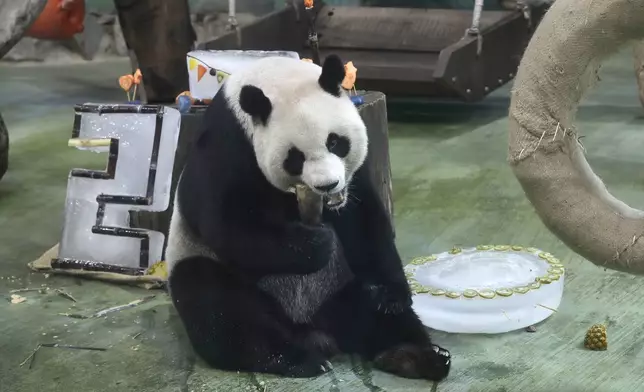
4,148
373,113
160,34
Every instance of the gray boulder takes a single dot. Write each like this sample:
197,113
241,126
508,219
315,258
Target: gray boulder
15,18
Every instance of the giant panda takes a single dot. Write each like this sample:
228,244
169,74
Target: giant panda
257,290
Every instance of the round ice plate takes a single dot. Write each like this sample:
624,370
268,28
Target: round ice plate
487,289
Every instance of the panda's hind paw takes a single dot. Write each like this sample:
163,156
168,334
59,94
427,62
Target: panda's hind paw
410,361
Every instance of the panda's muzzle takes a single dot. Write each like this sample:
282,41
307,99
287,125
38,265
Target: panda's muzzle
332,200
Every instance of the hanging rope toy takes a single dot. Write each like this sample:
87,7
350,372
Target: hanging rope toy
313,35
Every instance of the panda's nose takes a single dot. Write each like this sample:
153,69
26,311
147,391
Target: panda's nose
327,187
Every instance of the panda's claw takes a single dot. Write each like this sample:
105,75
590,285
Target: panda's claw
441,351
326,366
312,367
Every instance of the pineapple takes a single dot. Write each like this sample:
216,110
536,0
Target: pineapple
596,338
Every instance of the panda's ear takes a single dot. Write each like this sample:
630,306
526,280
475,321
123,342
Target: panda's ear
253,101
332,75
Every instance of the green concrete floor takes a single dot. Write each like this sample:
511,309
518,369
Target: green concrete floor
451,186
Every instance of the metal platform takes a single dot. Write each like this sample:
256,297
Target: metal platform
401,51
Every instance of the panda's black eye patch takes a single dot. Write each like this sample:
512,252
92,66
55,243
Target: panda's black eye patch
294,162
338,145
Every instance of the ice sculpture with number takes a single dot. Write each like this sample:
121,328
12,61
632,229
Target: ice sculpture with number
140,141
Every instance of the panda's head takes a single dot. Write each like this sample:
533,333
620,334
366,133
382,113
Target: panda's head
302,125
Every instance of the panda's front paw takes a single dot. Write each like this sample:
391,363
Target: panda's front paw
391,298
410,361
317,243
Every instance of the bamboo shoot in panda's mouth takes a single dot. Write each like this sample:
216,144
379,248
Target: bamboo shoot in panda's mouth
310,204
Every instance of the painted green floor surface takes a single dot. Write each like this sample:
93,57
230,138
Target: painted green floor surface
451,186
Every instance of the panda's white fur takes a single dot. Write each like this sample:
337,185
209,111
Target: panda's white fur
182,242
303,115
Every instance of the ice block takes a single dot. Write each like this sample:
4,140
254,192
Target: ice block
486,289
140,141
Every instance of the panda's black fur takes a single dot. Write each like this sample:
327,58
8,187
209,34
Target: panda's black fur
259,291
